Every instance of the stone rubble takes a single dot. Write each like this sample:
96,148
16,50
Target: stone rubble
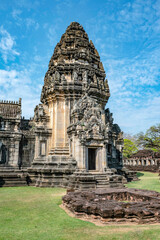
116,205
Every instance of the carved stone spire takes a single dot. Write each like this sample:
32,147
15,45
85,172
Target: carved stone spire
74,56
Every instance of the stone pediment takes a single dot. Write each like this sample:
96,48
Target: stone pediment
87,103
87,119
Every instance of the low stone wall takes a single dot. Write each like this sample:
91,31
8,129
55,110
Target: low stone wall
143,160
116,205
152,168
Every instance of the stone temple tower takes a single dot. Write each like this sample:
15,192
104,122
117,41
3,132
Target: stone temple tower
76,144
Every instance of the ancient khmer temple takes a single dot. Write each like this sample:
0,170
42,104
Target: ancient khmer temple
71,140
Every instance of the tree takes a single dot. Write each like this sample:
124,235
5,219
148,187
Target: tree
151,139
129,148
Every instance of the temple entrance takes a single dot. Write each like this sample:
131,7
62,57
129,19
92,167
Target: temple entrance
2,153
91,159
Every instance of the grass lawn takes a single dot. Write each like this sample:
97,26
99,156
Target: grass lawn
29,213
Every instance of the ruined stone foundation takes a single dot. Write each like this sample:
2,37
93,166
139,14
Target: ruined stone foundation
115,205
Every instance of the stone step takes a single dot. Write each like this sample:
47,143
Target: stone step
101,177
12,177
102,183
13,184
19,174
9,169
102,186
102,180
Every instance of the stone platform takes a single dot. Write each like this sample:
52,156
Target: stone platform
115,205
13,177
65,174
93,180
53,172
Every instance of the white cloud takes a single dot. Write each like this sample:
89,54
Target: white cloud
7,44
15,84
16,14
52,35
135,90
8,78
27,4
140,119
30,22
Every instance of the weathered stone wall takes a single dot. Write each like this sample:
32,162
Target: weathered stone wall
143,160
16,138
154,168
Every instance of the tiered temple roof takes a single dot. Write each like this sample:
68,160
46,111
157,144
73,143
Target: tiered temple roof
75,66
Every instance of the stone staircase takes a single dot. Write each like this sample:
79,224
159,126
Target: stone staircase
93,179
13,177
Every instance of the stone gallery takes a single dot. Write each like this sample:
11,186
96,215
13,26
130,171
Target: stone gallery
71,140
143,160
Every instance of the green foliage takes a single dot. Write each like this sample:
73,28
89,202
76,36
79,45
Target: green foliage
129,148
151,139
34,213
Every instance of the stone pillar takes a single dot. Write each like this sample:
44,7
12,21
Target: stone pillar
86,158
73,146
53,124
36,154
14,153
60,124
67,121
99,159
104,158
80,155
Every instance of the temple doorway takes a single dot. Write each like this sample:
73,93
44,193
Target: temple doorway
91,159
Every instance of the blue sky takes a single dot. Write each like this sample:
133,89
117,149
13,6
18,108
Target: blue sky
125,33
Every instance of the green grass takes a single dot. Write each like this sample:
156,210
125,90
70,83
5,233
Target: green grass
148,181
29,213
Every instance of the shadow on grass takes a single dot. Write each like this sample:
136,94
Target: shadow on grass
139,174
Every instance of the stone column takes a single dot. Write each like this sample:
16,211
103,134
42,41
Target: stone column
14,153
99,159
79,154
67,121
104,158
86,158
36,147
60,124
